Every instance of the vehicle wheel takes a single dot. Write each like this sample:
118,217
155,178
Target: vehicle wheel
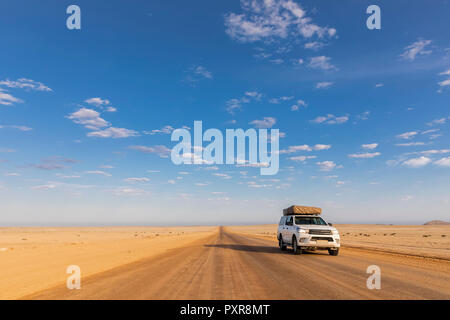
297,249
334,252
281,244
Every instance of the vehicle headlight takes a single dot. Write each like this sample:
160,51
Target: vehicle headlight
335,232
304,231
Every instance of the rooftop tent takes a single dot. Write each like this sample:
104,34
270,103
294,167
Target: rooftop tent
301,210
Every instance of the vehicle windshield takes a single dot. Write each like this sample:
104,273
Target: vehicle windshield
310,220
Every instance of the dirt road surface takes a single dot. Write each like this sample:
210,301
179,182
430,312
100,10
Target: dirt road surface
229,265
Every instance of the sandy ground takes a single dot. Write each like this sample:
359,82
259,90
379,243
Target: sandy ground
241,262
33,259
424,241
230,265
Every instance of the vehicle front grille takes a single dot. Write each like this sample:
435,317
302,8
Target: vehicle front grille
319,231
322,238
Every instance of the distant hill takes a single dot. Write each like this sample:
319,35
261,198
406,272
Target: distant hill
436,223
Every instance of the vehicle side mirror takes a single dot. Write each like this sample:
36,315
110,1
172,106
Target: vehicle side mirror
330,224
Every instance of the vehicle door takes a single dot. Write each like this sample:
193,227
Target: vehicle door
288,229
281,226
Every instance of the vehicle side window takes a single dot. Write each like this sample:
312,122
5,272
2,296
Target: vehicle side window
289,221
282,220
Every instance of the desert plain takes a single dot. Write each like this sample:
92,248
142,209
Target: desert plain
231,262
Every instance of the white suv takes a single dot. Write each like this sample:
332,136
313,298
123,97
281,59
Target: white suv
308,232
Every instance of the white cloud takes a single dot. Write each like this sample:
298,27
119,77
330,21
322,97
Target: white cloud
445,73
113,132
99,173
106,166
278,100
444,83
98,102
272,19
305,147
277,61
104,104
428,152
410,144
322,147
160,150
143,179
53,163
125,191
222,175
321,62
297,62
370,146
293,149
437,122
24,83
12,174
267,122
211,168
202,71
246,163
236,103
7,100
302,158
330,119
326,165
164,130
262,55
314,45
62,176
197,73
366,155
415,49
254,94
378,85
407,198
49,166
443,162
364,115
300,103
194,158
430,131
202,184
407,135
323,85
89,118
21,128
417,162
253,184
44,187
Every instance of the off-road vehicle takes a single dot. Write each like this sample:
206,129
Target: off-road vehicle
302,228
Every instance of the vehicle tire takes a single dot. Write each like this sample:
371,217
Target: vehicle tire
281,244
297,249
334,252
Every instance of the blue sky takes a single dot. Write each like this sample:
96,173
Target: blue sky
86,115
